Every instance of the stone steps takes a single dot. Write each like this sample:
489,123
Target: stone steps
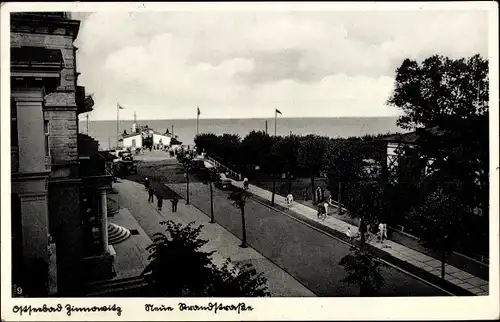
117,234
112,207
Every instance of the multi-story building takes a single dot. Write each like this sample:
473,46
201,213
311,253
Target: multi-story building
59,186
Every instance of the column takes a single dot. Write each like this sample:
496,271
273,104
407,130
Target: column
104,222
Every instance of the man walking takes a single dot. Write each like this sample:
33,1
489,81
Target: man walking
160,202
174,201
151,192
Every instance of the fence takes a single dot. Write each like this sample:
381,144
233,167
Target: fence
235,175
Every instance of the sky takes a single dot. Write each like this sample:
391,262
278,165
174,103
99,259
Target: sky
162,65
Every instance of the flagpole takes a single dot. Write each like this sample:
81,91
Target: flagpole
117,123
197,119
275,119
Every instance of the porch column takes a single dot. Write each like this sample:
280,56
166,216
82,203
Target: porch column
104,222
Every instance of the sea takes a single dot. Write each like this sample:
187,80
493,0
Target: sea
185,129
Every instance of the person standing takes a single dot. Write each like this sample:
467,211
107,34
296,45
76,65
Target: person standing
160,202
380,233
326,207
349,233
151,192
384,232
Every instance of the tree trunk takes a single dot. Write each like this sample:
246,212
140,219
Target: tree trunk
312,187
211,204
443,262
274,190
244,241
362,232
187,186
289,183
340,198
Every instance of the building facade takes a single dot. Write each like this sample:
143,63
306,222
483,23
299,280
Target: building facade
50,188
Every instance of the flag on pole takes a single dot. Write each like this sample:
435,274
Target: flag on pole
278,111
119,107
199,111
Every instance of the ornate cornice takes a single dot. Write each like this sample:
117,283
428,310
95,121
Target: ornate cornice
38,24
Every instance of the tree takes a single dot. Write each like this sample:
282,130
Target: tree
209,178
178,267
344,162
440,89
366,200
288,149
186,160
273,164
312,153
363,270
255,146
239,197
449,98
439,221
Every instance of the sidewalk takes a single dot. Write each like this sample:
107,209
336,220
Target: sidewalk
454,275
134,197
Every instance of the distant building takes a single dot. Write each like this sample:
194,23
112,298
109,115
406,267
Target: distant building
396,143
133,140
161,139
139,133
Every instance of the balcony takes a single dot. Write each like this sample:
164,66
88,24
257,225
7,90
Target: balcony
84,102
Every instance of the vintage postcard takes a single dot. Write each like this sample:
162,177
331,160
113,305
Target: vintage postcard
249,161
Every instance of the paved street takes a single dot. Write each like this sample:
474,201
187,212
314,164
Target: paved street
454,275
307,254
133,196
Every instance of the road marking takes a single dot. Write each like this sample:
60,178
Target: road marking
346,243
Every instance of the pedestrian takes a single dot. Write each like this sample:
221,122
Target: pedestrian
289,200
349,233
160,202
380,233
151,193
174,201
326,207
146,183
384,232
245,183
304,194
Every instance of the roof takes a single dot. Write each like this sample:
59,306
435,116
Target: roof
162,134
82,136
174,141
124,136
413,137
107,155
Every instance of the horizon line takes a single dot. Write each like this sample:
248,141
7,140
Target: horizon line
248,118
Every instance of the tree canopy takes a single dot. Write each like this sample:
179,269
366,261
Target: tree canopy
440,90
178,267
